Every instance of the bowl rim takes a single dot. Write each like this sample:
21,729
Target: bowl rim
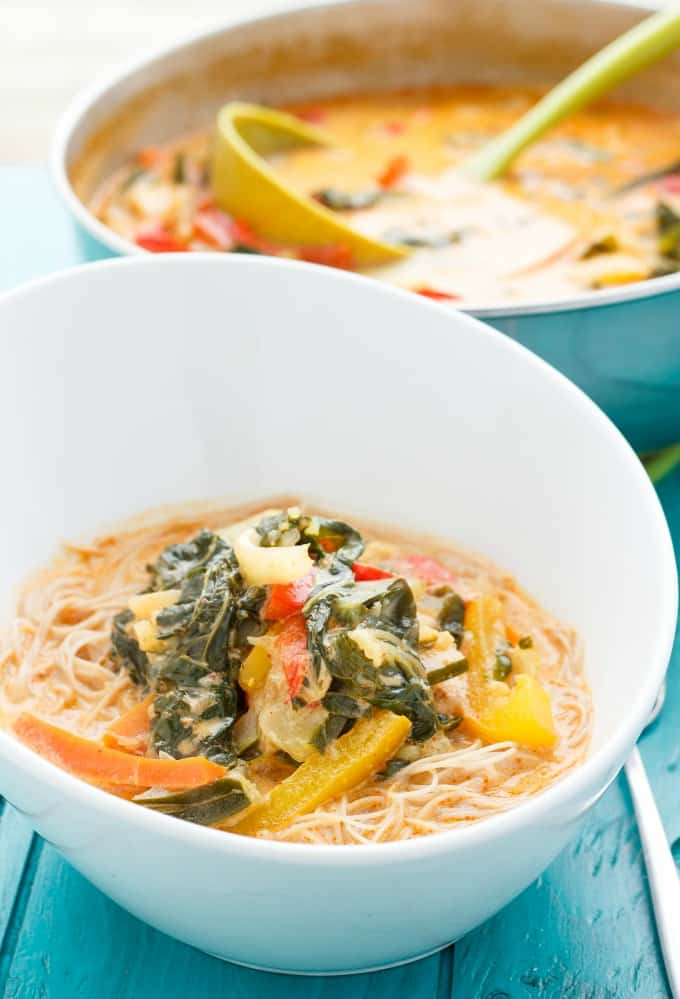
584,784
82,104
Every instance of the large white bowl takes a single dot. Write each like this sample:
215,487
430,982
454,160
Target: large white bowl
133,383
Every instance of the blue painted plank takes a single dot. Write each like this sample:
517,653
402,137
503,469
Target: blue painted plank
74,943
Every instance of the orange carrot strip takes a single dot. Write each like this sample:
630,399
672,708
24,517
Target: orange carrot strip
512,635
132,727
101,765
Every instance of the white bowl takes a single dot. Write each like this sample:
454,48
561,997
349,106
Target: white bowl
143,381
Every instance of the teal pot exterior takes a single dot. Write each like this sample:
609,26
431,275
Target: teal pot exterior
625,356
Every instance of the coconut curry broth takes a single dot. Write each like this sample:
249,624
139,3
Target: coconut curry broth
557,225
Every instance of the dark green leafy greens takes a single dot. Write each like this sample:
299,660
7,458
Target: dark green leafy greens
452,616
668,230
333,543
205,805
204,635
366,635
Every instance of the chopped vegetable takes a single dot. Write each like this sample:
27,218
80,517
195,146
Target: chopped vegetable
332,255
425,567
363,573
366,636
526,643
523,714
215,227
503,665
485,627
207,804
263,565
284,599
606,244
157,238
434,293
343,201
291,647
253,673
442,673
351,759
668,228
451,616
204,636
394,171
97,763
130,732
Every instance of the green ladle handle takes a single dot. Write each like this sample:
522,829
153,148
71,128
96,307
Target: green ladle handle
633,51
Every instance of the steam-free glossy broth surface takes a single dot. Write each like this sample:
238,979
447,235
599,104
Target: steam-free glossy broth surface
559,224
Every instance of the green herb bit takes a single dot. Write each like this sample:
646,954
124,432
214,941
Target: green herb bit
179,169
447,723
608,244
446,672
452,615
392,769
132,178
668,229
503,665
344,201
526,642
422,240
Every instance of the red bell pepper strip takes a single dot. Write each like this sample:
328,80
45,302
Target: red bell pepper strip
671,183
291,648
395,127
158,239
435,294
363,572
215,227
313,115
285,599
394,171
331,255
425,568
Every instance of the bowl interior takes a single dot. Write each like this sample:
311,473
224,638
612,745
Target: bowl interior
324,50
141,382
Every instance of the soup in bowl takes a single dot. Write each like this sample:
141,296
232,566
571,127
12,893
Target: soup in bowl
367,632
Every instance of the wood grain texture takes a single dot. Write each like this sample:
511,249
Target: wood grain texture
583,931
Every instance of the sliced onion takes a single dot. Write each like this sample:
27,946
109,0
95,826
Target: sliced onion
265,566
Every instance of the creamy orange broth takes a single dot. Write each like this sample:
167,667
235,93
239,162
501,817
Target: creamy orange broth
550,229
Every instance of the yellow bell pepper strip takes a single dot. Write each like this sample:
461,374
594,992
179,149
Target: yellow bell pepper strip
485,630
522,714
347,761
498,712
254,670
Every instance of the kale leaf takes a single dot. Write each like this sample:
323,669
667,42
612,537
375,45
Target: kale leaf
205,637
366,635
668,230
325,537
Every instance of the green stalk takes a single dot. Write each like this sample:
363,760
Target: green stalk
660,463
633,51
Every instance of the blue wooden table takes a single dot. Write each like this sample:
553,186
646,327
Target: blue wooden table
583,931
